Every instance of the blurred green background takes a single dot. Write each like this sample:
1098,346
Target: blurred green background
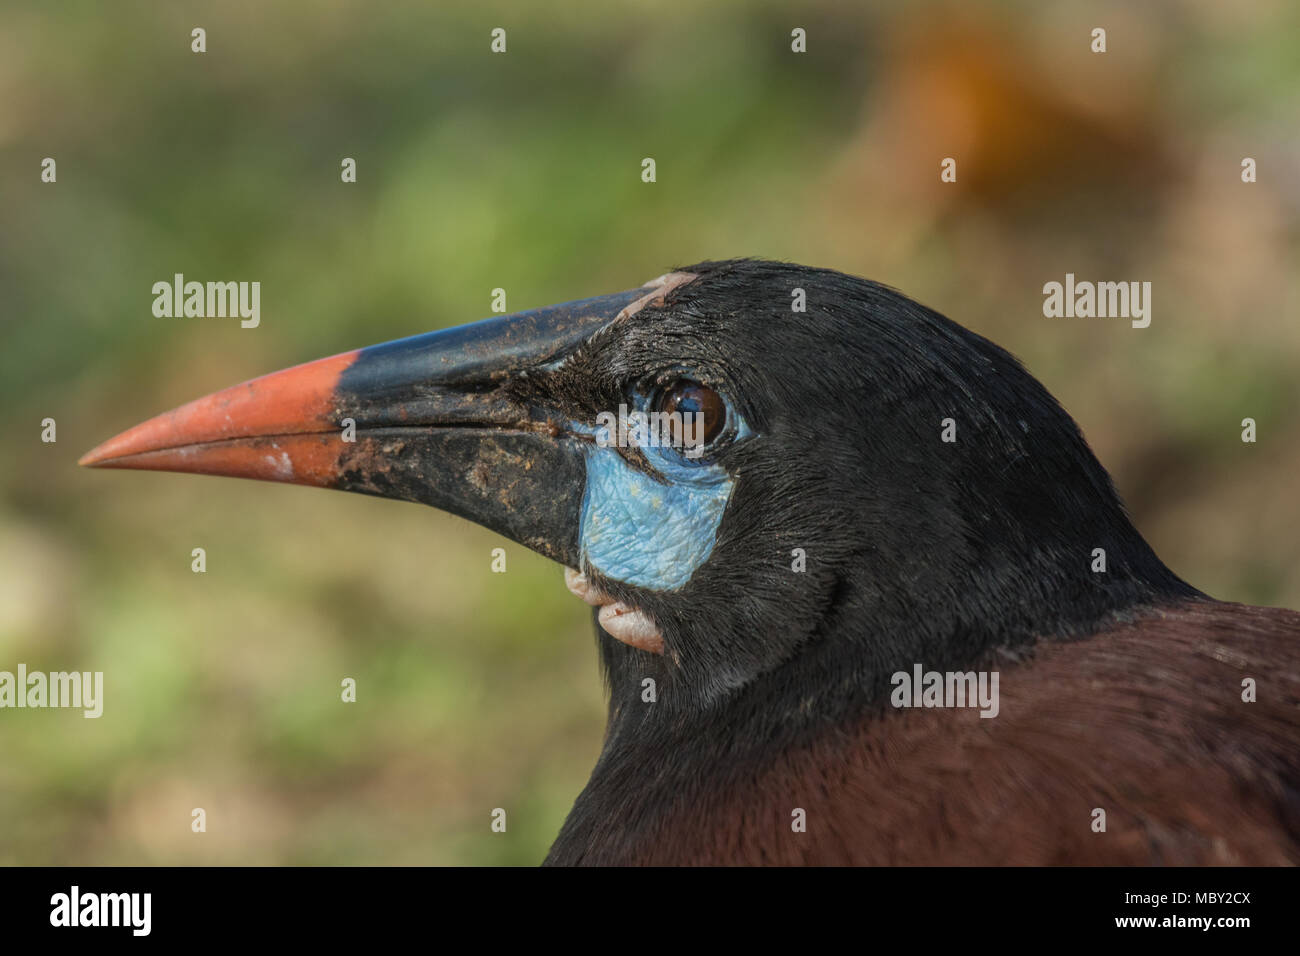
522,171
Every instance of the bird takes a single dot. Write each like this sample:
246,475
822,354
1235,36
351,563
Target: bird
828,505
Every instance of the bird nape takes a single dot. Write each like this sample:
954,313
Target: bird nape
863,593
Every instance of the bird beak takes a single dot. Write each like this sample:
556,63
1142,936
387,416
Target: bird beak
432,418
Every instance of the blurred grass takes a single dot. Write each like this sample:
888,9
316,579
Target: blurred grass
522,171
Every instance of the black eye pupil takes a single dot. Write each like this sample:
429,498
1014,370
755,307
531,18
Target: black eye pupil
689,404
688,398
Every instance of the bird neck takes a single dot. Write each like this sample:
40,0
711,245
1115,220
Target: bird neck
664,754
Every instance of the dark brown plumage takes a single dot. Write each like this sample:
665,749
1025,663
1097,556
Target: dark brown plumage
1145,720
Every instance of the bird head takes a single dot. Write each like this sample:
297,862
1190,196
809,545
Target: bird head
851,483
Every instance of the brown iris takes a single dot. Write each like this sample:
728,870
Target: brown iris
680,403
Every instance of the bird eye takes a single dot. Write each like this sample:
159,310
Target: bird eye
692,415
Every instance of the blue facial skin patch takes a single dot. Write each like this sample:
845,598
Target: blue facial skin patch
646,533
